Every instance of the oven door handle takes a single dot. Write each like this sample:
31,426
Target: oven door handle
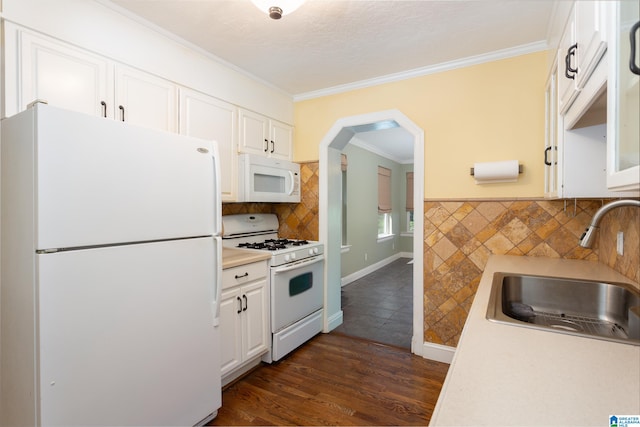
298,264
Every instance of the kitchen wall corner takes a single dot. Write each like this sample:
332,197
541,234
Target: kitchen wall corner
461,235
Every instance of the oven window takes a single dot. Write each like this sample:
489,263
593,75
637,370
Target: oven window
301,283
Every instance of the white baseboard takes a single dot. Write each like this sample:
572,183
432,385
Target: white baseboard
438,352
334,321
373,267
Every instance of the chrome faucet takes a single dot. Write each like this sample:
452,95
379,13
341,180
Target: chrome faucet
586,240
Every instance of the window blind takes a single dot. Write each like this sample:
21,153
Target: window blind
384,190
409,196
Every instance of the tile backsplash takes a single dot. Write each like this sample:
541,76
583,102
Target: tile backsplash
459,237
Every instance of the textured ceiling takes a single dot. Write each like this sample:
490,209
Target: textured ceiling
327,43
330,43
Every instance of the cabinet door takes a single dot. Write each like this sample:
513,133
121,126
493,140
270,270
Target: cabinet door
551,139
203,116
254,133
590,37
146,100
230,330
281,142
567,67
256,325
623,144
63,76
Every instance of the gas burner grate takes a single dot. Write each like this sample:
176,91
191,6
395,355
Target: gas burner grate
273,244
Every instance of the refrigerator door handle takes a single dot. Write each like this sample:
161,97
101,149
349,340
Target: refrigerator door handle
217,283
217,190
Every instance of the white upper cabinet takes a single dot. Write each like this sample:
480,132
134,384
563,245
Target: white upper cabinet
581,48
577,130
264,136
551,137
77,80
590,18
145,100
206,117
623,151
567,66
61,75
281,140
254,133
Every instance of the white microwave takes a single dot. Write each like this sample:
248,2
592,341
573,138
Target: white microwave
264,179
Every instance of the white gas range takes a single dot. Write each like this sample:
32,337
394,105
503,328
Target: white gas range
296,278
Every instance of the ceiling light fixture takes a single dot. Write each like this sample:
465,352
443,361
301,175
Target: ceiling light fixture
277,8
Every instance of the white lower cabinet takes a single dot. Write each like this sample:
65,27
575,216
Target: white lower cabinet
244,319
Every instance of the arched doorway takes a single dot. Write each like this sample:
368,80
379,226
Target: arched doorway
330,213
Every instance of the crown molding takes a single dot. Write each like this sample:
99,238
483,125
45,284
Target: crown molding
368,147
432,69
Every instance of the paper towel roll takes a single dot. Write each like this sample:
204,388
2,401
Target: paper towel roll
492,172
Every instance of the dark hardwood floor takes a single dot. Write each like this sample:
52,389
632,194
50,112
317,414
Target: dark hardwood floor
337,380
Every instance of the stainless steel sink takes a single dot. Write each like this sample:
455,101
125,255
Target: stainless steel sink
608,311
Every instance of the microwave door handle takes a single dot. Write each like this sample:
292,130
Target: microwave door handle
293,183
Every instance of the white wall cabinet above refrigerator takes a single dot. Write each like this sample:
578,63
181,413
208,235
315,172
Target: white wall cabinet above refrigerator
78,80
264,136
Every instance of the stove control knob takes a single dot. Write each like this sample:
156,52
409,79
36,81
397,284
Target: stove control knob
313,251
287,258
293,255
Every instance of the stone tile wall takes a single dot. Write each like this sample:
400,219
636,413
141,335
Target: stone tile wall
460,236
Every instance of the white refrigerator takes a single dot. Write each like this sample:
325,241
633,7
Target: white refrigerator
111,268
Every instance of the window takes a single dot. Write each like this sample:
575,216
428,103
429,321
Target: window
409,221
384,225
384,202
409,202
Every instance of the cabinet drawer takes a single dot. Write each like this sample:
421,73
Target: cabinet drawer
243,274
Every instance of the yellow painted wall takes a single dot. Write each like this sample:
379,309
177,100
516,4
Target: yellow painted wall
481,113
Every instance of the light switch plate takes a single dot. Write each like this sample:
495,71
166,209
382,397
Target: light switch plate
620,243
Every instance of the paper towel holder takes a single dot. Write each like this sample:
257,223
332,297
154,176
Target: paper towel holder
520,170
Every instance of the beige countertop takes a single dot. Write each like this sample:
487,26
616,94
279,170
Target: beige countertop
503,375
232,257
